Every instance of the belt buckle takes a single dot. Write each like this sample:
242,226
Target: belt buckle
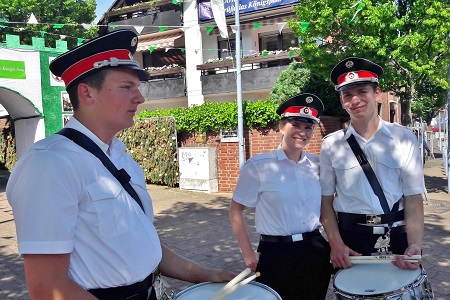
373,219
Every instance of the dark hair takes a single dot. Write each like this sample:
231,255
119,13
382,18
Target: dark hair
95,80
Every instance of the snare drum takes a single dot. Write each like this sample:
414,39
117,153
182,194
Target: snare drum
381,281
250,291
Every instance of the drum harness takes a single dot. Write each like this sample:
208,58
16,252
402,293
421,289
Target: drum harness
348,221
153,280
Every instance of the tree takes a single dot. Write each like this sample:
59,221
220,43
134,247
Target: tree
49,13
298,79
410,39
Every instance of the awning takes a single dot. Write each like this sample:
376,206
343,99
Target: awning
159,42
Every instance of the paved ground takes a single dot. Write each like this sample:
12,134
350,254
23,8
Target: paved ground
197,226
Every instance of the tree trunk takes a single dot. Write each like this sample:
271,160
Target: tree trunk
406,98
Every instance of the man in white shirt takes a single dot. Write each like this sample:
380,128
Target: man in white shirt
81,234
353,216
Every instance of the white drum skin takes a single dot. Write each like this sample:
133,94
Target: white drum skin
250,291
381,281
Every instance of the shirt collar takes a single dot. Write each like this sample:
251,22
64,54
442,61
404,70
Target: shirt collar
282,156
115,142
382,128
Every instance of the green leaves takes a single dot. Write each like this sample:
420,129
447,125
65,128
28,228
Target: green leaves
153,144
410,39
212,117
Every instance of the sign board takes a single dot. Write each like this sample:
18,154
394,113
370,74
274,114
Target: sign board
12,69
205,11
229,136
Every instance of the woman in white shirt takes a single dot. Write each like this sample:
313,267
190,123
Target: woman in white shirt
283,185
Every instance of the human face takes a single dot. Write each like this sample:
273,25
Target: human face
360,101
296,135
117,100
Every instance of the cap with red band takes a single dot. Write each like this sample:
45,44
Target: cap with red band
302,107
113,50
355,71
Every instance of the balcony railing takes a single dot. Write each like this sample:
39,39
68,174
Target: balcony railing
167,72
248,63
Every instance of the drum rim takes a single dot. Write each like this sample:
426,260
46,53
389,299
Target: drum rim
400,291
259,284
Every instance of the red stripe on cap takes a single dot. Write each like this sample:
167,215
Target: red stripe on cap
87,64
300,111
350,76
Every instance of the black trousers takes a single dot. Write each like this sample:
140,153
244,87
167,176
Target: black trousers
296,270
364,242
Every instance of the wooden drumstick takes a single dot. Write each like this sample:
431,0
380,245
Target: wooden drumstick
379,259
233,281
231,289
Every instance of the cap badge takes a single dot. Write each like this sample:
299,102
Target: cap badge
306,111
134,41
351,76
349,64
309,99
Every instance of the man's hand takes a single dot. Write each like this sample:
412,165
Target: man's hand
402,264
340,256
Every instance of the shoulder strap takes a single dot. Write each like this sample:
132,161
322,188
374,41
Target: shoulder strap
370,174
121,175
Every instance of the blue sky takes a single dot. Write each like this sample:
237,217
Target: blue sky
102,7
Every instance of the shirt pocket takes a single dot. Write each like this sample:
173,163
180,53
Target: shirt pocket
348,173
115,213
388,171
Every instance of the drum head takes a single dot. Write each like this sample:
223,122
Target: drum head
373,279
250,291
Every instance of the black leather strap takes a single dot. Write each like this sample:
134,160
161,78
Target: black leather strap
351,219
370,174
86,143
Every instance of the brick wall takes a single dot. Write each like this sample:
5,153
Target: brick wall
255,142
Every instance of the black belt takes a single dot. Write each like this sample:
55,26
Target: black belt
127,291
349,218
289,238
373,229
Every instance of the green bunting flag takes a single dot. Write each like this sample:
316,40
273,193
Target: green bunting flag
291,54
163,28
256,26
57,26
80,41
212,50
209,29
43,33
264,53
176,2
304,25
152,47
3,20
113,26
360,6
182,50
3,26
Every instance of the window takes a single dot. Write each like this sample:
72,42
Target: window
272,41
228,44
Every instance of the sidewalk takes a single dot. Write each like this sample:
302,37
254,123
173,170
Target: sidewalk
196,225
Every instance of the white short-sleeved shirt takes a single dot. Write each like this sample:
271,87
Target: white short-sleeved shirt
286,194
65,201
394,156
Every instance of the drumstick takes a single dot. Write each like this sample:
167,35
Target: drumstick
233,281
382,259
231,289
